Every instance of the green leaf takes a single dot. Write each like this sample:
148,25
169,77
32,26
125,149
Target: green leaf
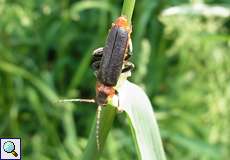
106,120
136,104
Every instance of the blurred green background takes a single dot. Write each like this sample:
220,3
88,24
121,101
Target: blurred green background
182,61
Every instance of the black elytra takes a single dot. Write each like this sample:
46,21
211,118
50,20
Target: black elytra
113,56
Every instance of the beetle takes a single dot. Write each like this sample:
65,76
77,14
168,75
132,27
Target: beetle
109,62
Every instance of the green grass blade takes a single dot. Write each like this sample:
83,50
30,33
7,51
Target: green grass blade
139,110
127,10
106,120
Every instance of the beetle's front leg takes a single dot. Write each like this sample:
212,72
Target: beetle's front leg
116,102
128,66
129,50
96,59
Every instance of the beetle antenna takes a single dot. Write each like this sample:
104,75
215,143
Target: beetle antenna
98,126
77,100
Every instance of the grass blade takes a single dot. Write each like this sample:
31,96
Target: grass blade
139,110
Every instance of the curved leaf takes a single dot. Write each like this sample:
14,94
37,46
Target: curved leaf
136,104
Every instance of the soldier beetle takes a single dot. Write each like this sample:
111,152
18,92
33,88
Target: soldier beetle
108,63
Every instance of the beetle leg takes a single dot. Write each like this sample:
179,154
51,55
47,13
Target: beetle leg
96,59
95,65
130,50
98,52
128,67
116,101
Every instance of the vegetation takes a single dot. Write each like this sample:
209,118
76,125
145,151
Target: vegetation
182,61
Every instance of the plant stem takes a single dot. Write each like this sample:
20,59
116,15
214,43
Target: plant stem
106,120
127,10
108,112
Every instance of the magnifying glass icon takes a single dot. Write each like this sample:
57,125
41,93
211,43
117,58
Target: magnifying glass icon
9,147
